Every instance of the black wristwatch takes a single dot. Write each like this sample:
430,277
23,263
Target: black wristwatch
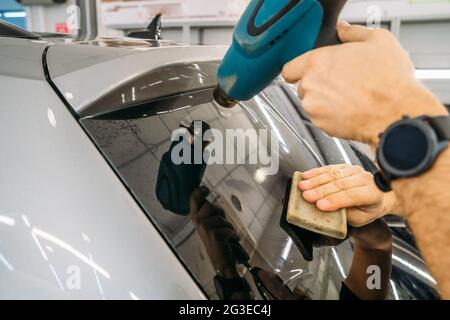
409,147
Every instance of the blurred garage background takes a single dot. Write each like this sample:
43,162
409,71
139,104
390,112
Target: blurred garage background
423,26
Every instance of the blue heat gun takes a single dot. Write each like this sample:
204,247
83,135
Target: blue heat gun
269,34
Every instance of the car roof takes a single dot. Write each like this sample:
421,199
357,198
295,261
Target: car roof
21,58
9,30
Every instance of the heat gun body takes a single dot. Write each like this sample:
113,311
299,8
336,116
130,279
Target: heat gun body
269,34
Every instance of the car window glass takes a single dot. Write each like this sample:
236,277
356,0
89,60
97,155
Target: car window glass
244,196
252,201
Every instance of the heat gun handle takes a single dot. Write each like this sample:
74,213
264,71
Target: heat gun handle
327,35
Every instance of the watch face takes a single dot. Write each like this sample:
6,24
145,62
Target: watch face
405,147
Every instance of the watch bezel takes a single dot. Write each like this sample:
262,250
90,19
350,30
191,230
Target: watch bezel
432,142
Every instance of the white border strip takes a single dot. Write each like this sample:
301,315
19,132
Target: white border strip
433,74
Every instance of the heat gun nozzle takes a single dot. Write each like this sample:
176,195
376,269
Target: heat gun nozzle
223,99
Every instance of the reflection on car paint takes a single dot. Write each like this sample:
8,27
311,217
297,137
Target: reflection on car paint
129,43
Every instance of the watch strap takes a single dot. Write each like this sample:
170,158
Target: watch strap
382,182
441,125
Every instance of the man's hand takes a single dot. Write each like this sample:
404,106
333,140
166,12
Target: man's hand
346,186
357,89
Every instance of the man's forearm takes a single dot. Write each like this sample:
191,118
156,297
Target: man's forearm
425,199
426,204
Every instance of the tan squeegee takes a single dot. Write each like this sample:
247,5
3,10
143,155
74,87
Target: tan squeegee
306,215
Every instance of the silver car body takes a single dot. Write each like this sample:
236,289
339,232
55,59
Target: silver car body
63,210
